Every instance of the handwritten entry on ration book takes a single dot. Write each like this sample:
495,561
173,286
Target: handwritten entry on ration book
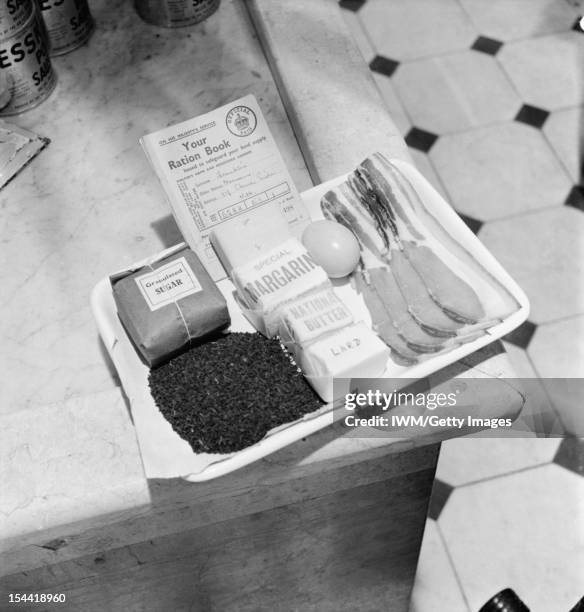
218,166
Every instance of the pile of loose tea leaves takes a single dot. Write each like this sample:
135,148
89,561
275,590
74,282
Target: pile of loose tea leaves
226,394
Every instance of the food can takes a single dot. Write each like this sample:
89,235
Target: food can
13,16
175,13
69,24
26,66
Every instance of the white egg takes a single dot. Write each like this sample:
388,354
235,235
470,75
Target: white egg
332,246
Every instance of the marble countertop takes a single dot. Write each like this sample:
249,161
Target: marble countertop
90,204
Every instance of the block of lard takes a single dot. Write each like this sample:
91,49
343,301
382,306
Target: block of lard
313,315
351,352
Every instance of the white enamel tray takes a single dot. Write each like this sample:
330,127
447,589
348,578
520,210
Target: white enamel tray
166,455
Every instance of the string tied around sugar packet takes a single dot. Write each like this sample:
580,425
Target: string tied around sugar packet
167,302
175,300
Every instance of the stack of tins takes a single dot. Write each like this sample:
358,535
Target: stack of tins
175,13
26,74
69,24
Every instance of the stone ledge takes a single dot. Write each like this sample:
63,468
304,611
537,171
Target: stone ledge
332,101
67,466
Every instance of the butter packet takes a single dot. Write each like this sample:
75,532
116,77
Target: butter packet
168,303
280,276
311,316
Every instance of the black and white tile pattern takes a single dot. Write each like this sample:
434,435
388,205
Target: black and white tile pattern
576,197
383,65
487,45
352,5
490,99
421,140
522,335
531,115
473,224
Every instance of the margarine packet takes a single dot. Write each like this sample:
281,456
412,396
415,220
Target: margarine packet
280,275
168,304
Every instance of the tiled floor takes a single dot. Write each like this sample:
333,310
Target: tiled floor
489,95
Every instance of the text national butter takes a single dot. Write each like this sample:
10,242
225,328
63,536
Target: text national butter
312,316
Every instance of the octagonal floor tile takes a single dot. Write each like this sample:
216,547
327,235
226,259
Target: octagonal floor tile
402,29
520,362
435,578
565,131
522,530
512,19
500,170
538,415
455,92
547,71
543,253
557,352
424,165
392,103
557,349
467,460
